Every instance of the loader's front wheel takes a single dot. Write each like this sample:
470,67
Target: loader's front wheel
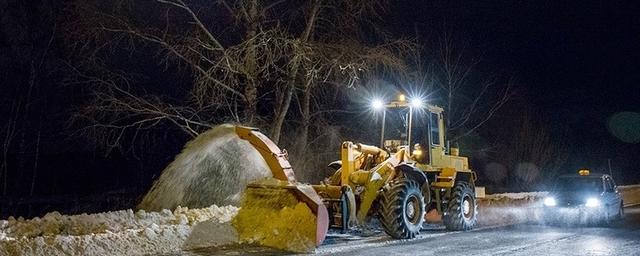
402,208
462,208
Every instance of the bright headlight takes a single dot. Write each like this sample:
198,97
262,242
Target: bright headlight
377,104
592,202
550,201
416,102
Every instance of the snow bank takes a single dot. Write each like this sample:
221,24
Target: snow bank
516,196
117,233
509,208
630,194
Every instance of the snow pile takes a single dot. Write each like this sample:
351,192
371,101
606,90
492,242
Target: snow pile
630,194
214,168
116,233
509,208
516,196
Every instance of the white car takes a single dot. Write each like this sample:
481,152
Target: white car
583,198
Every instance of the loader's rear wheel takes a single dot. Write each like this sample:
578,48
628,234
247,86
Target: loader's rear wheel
402,209
462,208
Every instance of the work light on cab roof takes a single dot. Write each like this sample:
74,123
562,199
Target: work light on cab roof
377,104
414,102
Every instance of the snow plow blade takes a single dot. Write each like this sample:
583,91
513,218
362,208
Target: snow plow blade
280,215
279,212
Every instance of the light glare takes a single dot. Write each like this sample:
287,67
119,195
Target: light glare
593,202
416,103
550,201
377,104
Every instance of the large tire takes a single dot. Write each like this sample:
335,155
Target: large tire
402,209
462,209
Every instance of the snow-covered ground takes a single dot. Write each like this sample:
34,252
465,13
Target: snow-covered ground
138,233
116,233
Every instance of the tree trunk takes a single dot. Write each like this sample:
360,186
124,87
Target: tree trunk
5,160
251,87
286,102
306,116
281,112
23,148
36,159
250,95
34,175
8,139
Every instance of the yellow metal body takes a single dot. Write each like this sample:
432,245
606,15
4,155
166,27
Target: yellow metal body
366,169
445,167
276,159
276,199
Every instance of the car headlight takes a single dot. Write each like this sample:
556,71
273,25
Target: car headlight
592,202
550,201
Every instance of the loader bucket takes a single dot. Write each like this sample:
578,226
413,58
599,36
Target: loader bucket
279,212
282,215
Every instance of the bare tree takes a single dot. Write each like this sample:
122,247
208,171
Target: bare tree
470,99
227,75
532,154
9,133
338,57
233,67
26,50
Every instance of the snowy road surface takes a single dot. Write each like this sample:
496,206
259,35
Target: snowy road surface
523,239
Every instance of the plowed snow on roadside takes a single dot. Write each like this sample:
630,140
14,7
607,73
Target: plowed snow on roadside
117,233
138,233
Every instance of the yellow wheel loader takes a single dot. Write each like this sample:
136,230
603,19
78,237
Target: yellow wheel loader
410,173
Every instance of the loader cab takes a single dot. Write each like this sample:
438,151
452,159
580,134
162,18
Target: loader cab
395,133
417,126
429,133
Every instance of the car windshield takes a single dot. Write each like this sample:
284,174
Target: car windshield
579,184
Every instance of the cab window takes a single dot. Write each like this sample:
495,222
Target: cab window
420,129
434,131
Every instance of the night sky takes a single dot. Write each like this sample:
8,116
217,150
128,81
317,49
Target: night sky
576,62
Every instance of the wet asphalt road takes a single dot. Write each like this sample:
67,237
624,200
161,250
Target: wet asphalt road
523,239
